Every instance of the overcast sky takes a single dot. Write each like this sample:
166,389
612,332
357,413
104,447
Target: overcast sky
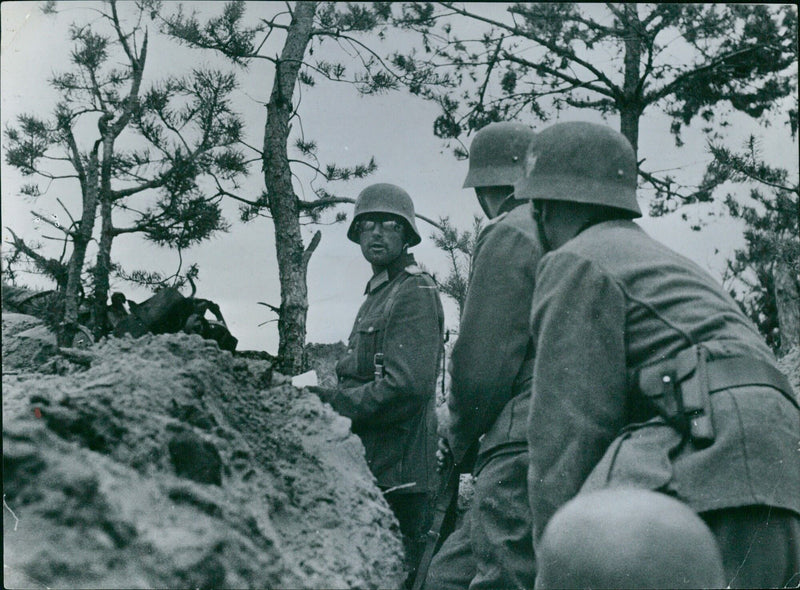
238,269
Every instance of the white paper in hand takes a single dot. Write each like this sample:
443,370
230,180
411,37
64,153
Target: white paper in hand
309,378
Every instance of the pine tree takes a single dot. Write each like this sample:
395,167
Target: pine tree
765,273
149,152
313,31
614,59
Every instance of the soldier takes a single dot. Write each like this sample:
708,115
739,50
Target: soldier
490,368
627,538
116,312
387,379
647,374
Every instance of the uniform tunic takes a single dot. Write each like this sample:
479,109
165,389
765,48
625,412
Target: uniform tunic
491,368
610,301
492,358
394,416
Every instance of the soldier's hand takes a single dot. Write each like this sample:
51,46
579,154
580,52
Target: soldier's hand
324,393
443,454
443,421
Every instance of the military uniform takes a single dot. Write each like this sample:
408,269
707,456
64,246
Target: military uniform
612,309
391,401
489,398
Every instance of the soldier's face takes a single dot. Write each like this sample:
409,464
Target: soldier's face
382,238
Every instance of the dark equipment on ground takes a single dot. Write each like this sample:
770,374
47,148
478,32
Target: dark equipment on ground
169,312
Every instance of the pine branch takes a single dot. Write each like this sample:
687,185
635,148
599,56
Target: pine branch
557,50
54,224
312,245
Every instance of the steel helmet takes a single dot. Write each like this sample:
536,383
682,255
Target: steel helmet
497,154
385,198
628,538
583,163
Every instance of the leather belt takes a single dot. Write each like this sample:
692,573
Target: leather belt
679,388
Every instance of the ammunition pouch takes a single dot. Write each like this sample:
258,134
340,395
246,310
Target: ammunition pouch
679,389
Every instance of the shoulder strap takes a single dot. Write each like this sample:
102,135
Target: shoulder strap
412,270
394,288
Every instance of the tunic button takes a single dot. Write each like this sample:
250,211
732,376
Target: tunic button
371,329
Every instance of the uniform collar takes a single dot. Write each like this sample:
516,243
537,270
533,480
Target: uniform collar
389,272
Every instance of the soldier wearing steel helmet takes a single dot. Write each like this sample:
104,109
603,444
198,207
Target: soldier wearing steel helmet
647,374
387,379
628,538
490,369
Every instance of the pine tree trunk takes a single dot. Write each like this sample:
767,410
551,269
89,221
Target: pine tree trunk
631,106
80,241
103,265
629,126
101,271
283,203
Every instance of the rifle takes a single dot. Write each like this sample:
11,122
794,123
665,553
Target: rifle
445,497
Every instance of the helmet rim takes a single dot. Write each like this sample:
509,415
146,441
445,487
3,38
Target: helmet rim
497,154
385,198
583,163
578,189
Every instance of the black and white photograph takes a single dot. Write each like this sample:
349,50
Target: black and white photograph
400,295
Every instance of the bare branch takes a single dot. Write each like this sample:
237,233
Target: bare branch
73,223
75,157
556,49
312,245
54,224
272,307
609,91
490,66
123,39
127,192
53,268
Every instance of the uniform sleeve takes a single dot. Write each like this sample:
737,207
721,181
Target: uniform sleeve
493,334
411,348
579,378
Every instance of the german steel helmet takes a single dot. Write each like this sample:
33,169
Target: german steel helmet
497,154
385,198
583,163
631,538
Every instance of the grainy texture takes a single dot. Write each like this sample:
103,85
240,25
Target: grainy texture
104,500
790,365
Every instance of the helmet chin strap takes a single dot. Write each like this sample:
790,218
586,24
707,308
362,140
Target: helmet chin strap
485,207
509,203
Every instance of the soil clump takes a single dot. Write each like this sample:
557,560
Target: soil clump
165,462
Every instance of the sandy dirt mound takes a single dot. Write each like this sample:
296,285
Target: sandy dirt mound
168,463
27,343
